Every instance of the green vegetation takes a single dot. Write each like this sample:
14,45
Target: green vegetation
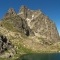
8,25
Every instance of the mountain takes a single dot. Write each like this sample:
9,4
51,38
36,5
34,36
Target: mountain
40,24
28,31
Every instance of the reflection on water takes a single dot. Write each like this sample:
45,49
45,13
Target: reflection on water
42,56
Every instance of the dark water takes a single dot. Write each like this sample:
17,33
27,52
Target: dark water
44,56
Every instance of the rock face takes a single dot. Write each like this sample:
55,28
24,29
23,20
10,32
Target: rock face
40,24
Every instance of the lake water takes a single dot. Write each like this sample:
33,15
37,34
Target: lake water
42,56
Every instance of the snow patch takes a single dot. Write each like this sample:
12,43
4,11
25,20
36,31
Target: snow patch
28,21
32,16
20,13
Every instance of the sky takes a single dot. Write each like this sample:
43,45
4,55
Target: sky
49,7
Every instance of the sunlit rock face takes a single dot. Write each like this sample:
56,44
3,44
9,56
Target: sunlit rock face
40,24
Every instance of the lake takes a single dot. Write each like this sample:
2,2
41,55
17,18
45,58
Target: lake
40,56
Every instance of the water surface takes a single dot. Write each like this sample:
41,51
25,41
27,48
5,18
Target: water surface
41,56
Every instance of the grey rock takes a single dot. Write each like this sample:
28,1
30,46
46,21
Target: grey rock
4,45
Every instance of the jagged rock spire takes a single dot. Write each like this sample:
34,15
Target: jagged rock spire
11,12
23,11
23,8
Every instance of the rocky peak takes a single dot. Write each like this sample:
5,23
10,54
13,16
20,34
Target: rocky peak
23,8
40,24
26,13
11,12
23,12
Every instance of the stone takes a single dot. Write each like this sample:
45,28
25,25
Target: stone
4,45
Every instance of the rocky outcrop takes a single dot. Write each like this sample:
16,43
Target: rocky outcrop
5,44
11,12
26,13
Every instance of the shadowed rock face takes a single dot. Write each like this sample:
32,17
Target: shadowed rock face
26,13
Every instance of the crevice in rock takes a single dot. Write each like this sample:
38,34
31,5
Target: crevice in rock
27,33
25,28
4,39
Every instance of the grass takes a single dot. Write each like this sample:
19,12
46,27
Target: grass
8,25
